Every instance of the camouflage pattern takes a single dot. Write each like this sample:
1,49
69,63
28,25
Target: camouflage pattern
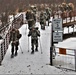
34,33
66,7
48,13
67,10
14,39
42,19
4,18
31,18
70,6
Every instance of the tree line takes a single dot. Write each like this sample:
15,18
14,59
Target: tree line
12,5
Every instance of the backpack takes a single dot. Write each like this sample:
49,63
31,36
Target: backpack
34,35
19,36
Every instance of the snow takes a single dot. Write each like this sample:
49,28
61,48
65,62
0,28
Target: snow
1,40
36,63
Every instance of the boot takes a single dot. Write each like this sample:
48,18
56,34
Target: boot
32,52
16,53
12,55
36,49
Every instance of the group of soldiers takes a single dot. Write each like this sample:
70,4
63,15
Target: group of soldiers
15,36
31,17
67,10
44,15
33,30
66,7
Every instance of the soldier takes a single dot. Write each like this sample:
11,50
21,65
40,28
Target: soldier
34,33
70,7
48,13
33,8
42,20
14,39
31,18
4,18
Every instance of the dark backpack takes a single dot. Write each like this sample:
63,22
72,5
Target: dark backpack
19,36
34,34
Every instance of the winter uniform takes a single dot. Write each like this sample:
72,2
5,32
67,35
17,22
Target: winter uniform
4,18
42,20
67,10
47,15
34,9
34,33
31,18
14,39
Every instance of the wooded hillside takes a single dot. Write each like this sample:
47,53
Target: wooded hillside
11,5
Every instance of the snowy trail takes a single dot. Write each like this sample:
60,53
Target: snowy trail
28,63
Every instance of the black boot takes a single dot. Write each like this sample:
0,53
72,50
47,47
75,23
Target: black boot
12,55
36,49
16,53
32,52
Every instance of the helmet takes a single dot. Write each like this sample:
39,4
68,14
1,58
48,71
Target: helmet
63,4
28,10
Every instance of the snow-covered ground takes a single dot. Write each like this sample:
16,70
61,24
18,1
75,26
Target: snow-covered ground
36,63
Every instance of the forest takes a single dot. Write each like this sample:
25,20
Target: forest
12,5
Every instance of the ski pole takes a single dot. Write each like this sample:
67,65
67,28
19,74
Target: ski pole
25,29
28,44
40,46
21,49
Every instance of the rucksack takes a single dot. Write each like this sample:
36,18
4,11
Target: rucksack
34,34
19,36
